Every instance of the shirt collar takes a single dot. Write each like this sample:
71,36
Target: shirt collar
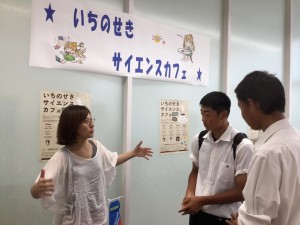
273,128
226,136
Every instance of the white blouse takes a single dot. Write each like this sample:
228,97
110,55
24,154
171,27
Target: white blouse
80,186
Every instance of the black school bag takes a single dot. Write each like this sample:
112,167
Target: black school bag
236,140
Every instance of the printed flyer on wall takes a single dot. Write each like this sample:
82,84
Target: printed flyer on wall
174,126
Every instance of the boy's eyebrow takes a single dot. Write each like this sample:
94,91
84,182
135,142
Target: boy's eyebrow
204,110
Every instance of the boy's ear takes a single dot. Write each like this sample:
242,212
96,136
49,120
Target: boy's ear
253,104
224,114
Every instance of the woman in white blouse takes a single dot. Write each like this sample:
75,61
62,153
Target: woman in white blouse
73,182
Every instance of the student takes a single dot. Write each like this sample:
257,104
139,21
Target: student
217,179
73,182
272,191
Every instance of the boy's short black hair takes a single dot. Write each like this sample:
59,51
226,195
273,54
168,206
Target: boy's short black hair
264,88
217,100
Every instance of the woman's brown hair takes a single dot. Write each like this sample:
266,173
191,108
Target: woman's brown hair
69,121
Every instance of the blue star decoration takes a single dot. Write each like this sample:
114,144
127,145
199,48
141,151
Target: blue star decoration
199,74
49,12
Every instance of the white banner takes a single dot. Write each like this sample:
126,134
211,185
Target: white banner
80,35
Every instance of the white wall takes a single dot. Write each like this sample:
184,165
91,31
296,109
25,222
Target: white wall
295,68
157,186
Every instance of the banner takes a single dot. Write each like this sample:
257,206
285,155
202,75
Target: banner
114,213
80,35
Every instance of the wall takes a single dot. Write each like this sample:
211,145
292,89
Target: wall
295,68
20,87
256,43
157,186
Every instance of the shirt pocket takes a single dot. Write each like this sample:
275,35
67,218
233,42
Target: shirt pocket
225,174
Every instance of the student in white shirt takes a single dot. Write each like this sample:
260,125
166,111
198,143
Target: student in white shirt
272,191
73,182
217,179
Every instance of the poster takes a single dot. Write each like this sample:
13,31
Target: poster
174,126
82,36
51,105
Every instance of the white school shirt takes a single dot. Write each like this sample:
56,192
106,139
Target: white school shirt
272,191
80,186
217,168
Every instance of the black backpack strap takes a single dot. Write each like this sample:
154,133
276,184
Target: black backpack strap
200,137
236,141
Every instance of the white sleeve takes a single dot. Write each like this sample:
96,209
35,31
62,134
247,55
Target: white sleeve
55,169
110,161
244,155
261,192
246,218
194,155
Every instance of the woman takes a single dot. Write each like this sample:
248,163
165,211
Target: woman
73,182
